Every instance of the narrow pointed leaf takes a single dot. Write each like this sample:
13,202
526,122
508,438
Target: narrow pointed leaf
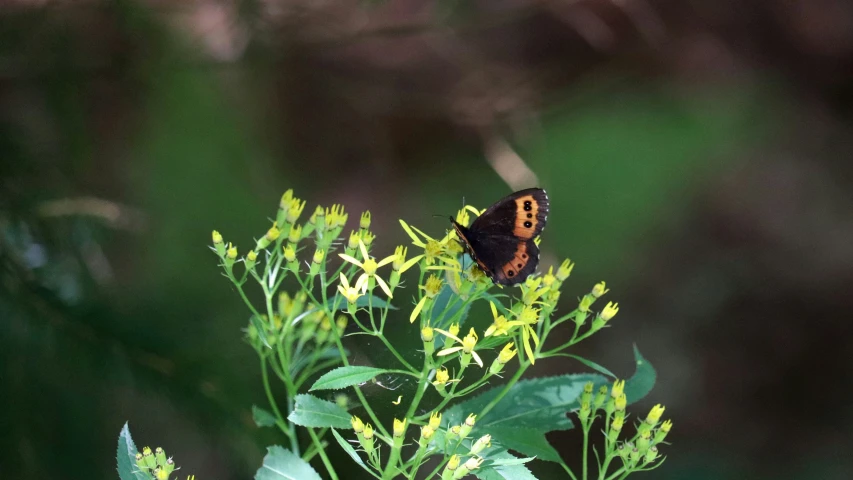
639,385
343,377
349,449
126,457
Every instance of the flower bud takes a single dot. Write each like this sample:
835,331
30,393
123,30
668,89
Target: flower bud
450,468
481,443
148,457
364,222
621,403
435,420
565,270
160,456
651,455
426,434
610,311
618,388
399,427
294,210
251,259
583,413
599,289
654,415
467,426
218,244
600,397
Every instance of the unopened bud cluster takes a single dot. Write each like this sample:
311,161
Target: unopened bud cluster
155,464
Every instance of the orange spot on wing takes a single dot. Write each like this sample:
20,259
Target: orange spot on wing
512,268
526,219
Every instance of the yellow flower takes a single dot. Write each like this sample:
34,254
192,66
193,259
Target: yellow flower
336,217
565,270
352,242
319,255
618,388
400,264
232,252
357,424
507,353
466,345
609,311
369,266
501,325
294,210
435,420
295,234
367,237
433,249
217,237
399,427
431,289
352,293
427,432
442,376
655,414
252,256
599,289
427,334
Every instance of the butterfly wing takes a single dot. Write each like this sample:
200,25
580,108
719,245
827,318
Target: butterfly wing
522,214
501,239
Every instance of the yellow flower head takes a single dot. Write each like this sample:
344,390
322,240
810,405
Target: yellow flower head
273,233
352,293
217,238
599,289
369,266
364,222
352,242
618,388
666,426
295,234
357,424
368,431
435,420
432,286
319,255
565,270
399,427
453,463
286,199
427,334
654,415
294,210
507,353
529,315
232,252
336,216
442,376
609,311
367,237
427,432
433,249
289,254
466,345
454,329
252,256
462,217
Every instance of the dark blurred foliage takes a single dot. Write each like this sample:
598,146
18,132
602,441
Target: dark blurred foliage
697,156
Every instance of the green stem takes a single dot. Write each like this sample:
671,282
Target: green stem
396,353
568,470
419,393
319,446
280,420
586,449
505,390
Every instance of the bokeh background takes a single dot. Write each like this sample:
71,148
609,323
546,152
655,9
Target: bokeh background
697,154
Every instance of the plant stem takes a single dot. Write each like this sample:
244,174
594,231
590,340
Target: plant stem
319,446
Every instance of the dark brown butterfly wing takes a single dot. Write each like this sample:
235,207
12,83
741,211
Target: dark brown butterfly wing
501,239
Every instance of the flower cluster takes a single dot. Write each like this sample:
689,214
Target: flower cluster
343,288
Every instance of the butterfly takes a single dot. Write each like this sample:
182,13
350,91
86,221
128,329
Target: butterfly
501,239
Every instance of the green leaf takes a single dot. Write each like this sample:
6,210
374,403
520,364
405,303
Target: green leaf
362,302
348,448
262,417
539,403
343,377
504,466
446,306
639,385
527,440
298,364
313,412
261,329
281,464
126,457
529,410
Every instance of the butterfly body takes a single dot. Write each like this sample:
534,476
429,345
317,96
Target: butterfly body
501,239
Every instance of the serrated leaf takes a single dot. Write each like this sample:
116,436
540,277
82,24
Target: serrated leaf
126,457
348,448
526,440
281,464
262,417
505,466
539,403
310,411
343,377
362,302
643,380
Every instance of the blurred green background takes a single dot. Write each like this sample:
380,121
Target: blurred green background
696,154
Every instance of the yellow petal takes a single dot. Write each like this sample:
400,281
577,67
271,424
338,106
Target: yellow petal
350,259
383,285
477,359
411,262
417,241
448,334
417,310
448,351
